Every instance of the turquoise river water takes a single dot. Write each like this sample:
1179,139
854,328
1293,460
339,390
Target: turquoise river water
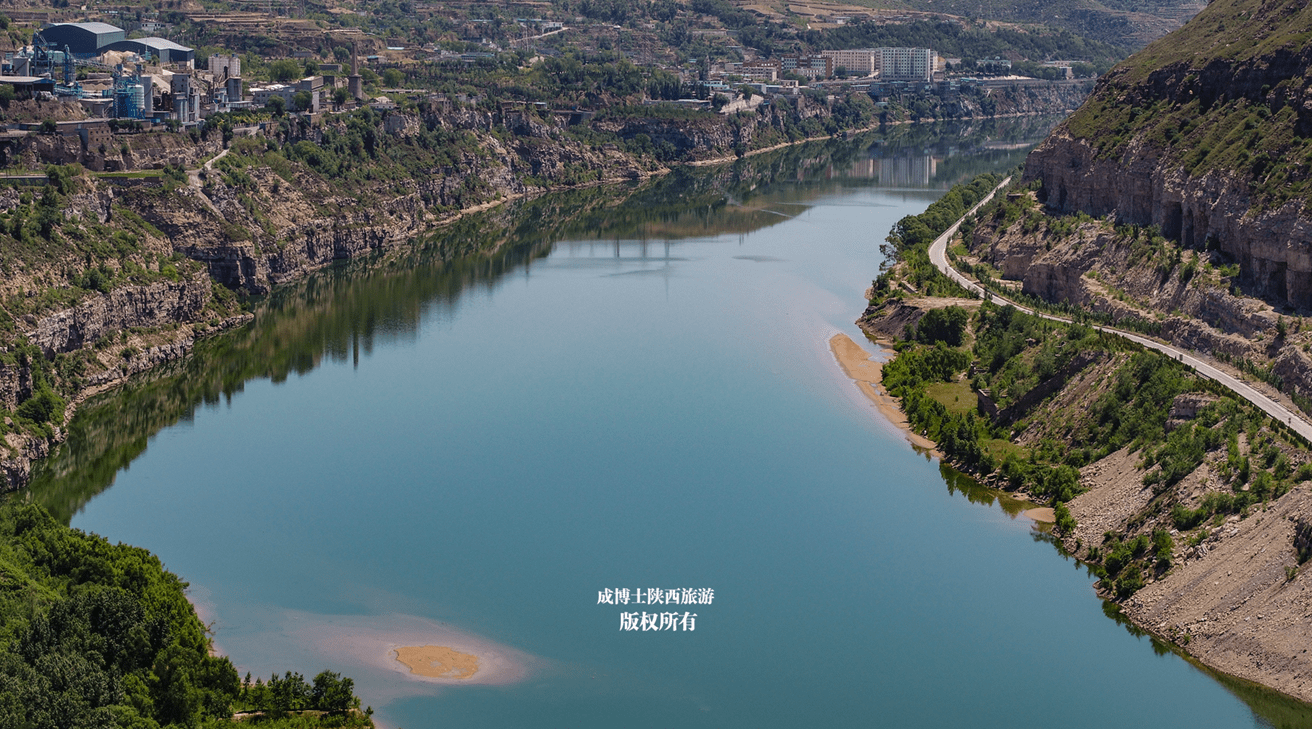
635,392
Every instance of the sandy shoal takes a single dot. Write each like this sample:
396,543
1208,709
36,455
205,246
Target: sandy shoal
1041,513
438,661
384,648
867,374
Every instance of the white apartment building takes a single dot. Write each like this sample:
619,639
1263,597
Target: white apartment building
857,61
906,64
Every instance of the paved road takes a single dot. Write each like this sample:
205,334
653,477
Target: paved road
938,256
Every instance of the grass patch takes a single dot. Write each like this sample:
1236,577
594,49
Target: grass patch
1000,448
957,397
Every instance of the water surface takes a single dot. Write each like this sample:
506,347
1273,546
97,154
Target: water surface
635,392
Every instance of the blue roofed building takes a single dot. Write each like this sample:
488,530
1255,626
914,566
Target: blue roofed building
84,40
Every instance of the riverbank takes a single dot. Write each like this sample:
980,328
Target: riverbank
865,371
107,338
1187,501
1220,582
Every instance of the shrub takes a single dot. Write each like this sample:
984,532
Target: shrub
1162,546
1065,523
1130,582
44,406
946,325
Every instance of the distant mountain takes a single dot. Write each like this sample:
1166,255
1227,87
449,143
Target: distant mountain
1124,23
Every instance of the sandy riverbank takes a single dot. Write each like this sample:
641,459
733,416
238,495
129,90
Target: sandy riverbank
867,374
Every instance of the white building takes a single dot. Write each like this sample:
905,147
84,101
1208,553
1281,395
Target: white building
758,73
260,95
857,61
313,85
222,67
906,64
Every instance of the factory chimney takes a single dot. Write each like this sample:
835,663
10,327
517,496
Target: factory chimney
355,82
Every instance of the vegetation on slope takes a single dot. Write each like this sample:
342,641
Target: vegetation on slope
1055,397
907,245
1038,448
101,635
1224,93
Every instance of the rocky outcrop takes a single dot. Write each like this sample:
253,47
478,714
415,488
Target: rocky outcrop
1030,97
1102,270
19,453
706,136
140,151
129,306
1273,247
892,319
15,384
1201,135
1234,603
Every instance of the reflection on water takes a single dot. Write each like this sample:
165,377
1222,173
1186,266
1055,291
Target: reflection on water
1270,708
976,493
341,311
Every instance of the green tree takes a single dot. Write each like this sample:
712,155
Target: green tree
276,104
44,406
393,78
302,100
947,325
284,70
333,693
177,699
289,693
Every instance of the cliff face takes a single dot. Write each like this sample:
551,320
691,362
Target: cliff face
1189,298
123,308
1203,134
127,152
1047,97
1272,247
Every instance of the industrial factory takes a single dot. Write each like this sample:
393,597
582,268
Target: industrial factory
153,80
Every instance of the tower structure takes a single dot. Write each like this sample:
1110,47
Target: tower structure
356,83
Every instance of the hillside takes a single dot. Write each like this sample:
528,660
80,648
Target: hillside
1177,196
1204,135
1189,504
1126,24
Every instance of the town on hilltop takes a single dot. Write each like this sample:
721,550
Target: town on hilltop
104,72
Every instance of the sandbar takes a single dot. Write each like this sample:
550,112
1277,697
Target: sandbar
438,661
867,374
1042,513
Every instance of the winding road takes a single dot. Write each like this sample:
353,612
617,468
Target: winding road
938,256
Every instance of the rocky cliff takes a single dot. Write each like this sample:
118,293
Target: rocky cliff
1204,135
1137,279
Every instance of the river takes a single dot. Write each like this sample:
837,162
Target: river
634,392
